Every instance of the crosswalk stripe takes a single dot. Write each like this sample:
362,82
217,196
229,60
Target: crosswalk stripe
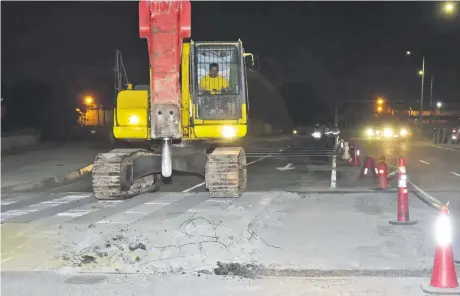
22,201
44,208
88,208
145,208
175,208
142,210
108,211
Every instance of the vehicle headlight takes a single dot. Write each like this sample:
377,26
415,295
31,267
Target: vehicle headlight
316,135
133,119
294,132
403,132
369,132
228,132
388,132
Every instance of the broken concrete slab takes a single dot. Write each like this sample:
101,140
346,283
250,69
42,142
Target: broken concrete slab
272,231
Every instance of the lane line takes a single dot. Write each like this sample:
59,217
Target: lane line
334,172
422,161
455,174
248,164
445,148
421,191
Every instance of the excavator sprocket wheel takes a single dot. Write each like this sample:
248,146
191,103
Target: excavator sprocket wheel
226,172
113,175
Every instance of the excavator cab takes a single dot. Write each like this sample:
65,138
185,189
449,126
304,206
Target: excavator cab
219,95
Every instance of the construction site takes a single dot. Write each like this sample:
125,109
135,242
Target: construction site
200,182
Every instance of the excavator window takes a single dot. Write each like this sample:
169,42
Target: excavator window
218,68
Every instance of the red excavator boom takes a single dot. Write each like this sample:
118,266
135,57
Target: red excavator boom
165,24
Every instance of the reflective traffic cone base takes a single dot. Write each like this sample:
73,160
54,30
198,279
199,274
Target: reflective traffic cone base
444,276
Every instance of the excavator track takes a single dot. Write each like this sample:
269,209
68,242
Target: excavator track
226,173
113,175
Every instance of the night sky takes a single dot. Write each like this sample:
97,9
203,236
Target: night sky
312,51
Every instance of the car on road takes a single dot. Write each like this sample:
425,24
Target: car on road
388,131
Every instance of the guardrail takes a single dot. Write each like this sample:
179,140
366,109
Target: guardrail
19,139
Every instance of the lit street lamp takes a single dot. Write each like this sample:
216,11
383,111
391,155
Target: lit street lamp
89,100
439,105
449,8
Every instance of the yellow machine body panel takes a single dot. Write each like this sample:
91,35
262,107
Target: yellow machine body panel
187,131
131,115
194,127
223,131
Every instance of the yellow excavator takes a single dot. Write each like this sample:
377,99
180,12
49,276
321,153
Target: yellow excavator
192,115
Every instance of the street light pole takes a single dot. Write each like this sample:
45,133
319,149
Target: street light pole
421,95
431,99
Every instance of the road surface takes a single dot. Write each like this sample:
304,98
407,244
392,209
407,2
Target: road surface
272,165
303,228
434,169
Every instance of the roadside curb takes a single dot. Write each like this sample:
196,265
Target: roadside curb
51,182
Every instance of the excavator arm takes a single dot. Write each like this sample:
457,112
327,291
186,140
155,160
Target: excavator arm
165,24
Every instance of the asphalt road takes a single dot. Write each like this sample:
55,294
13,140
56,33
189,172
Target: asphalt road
292,164
267,161
433,169
301,164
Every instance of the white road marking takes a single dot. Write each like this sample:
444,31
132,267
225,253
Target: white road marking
7,202
334,172
425,162
425,193
286,168
445,148
41,206
136,213
455,174
249,163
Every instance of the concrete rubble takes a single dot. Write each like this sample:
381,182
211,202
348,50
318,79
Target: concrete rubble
293,235
184,245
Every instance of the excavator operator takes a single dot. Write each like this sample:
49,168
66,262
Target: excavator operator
213,83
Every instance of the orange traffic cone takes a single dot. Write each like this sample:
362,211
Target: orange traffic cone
443,277
368,167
